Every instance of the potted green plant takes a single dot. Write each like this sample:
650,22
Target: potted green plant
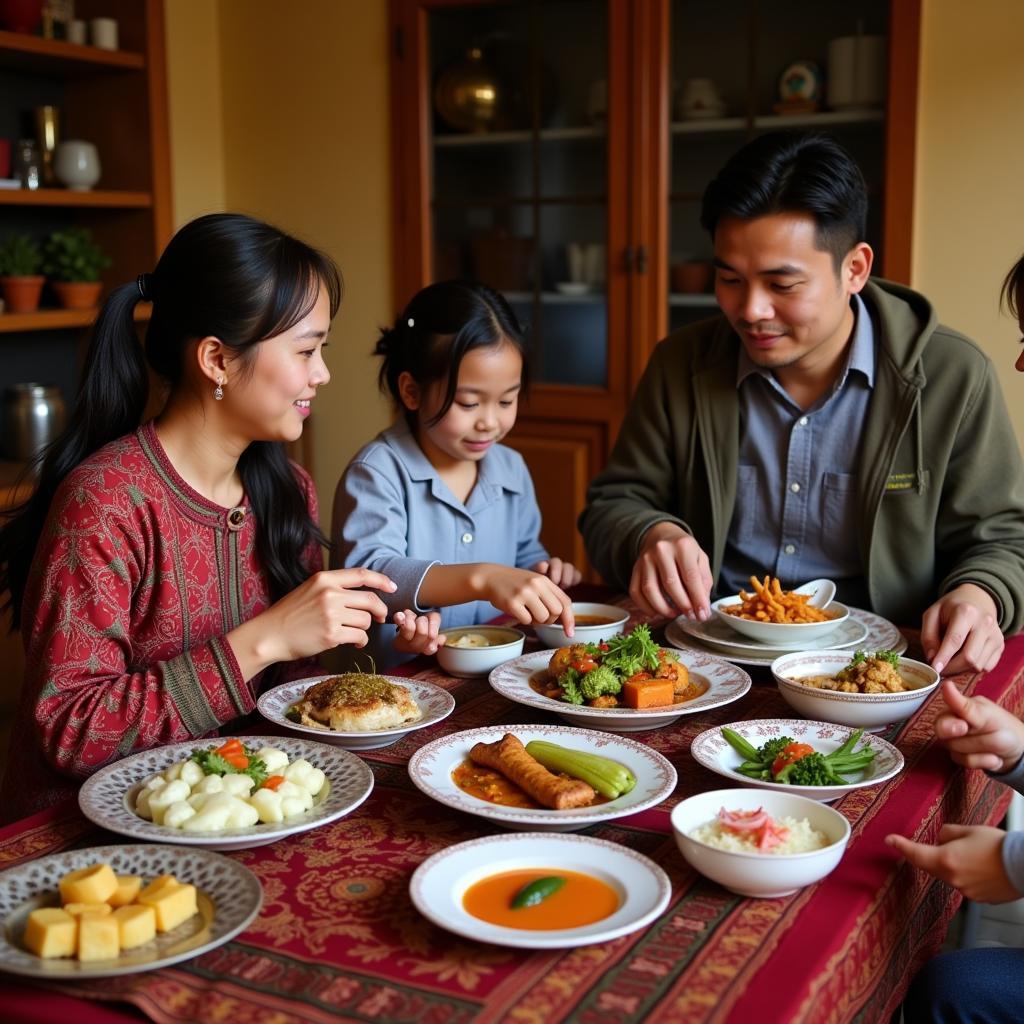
73,262
20,279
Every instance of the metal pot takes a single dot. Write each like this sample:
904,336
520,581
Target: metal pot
33,416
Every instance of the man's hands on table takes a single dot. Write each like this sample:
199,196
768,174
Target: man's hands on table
960,632
672,574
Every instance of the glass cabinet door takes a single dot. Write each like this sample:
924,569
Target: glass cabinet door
739,68
518,149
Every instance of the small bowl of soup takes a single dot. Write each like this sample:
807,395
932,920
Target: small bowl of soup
594,623
475,650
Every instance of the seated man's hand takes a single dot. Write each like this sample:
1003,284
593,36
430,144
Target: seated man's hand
672,575
960,632
979,733
968,857
418,634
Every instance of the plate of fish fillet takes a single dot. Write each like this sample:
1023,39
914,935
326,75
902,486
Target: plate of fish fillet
542,777
356,710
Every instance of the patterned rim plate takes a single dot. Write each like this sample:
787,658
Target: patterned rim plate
882,635
712,750
717,633
229,899
435,702
431,767
725,683
108,797
438,885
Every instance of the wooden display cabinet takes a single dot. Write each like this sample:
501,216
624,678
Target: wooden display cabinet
566,161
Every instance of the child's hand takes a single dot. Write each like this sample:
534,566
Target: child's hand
418,634
978,732
968,857
527,596
562,574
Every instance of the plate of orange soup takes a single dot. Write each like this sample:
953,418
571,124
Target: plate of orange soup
608,890
444,771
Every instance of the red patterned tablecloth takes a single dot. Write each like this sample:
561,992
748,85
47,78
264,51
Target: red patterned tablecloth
339,940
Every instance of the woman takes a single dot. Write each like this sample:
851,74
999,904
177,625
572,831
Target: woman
176,561
1013,299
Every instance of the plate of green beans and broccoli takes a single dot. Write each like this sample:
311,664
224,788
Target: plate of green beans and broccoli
813,759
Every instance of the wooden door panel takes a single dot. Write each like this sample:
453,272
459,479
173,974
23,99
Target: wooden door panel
563,458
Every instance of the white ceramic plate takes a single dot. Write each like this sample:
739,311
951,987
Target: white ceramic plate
108,797
882,635
435,702
229,898
725,683
716,632
431,767
712,750
438,885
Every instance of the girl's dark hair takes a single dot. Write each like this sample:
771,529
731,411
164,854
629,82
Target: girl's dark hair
432,335
793,172
224,275
1013,288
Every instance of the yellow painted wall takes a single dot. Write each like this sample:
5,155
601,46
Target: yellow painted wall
969,199
299,97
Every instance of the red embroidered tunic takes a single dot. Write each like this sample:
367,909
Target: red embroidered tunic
136,580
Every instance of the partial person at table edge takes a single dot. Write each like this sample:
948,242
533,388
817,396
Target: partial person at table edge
177,561
824,424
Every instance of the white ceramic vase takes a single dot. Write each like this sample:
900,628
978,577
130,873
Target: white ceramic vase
77,165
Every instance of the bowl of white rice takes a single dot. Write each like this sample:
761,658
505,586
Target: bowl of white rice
805,839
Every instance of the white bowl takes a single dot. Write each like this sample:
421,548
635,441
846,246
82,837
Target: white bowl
572,287
781,634
763,875
504,644
553,635
861,710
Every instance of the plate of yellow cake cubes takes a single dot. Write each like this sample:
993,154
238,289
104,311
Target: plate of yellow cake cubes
114,910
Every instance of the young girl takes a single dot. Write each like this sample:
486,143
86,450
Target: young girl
175,561
436,502
1013,299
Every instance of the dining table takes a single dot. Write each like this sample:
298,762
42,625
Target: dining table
339,939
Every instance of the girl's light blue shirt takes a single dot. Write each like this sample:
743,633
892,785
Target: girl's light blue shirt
394,514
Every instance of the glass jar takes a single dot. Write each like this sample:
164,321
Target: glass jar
28,163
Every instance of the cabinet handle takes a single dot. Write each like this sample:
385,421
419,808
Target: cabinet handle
628,259
641,259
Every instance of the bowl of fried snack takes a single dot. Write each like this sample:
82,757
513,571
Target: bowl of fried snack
868,690
778,618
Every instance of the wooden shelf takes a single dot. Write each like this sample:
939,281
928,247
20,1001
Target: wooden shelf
55,56
768,122
700,299
58,319
11,491
471,139
107,198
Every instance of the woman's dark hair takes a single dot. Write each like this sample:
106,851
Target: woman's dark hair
224,275
790,172
432,335
1013,289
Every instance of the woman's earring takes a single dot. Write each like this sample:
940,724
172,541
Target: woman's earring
218,391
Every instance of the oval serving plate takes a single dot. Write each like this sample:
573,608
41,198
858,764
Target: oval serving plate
725,683
431,767
712,750
439,883
229,897
108,796
435,703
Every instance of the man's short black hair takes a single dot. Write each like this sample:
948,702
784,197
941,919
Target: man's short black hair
793,172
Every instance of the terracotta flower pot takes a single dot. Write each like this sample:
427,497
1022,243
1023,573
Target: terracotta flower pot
78,294
21,294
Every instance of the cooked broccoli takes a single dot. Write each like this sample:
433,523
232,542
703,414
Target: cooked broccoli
599,681
773,748
810,770
570,684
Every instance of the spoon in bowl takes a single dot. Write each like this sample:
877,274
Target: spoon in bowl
822,591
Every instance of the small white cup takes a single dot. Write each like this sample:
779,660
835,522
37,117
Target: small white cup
76,31
77,165
104,33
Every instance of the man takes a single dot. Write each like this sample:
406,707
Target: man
823,425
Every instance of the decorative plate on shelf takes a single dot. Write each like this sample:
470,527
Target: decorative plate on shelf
431,767
435,703
881,635
108,797
712,750
723,683
229,897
